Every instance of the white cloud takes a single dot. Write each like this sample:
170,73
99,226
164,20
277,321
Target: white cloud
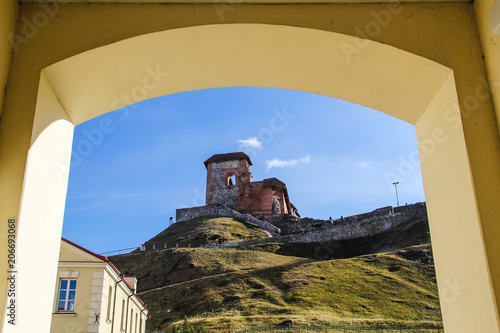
363,164
250,143
279,163
306,159
276,163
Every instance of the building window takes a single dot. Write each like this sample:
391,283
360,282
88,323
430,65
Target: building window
110,298
122,326
67,295
131,320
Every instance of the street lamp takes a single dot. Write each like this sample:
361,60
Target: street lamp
396,186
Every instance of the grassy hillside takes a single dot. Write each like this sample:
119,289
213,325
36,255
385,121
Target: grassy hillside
409,233
229,289
233,289
203,231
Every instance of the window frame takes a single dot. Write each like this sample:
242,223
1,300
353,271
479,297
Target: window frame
123,319
228,181
108,310
66,299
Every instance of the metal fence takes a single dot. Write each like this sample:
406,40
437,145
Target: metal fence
117,252
159,247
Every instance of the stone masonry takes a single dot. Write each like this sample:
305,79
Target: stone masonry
229,183
185,214
352,227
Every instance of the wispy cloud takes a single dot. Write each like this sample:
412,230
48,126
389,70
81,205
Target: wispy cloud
363,164
306,159
277,163
250,143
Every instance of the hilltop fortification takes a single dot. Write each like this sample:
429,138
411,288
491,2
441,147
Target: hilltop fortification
265,204
229,183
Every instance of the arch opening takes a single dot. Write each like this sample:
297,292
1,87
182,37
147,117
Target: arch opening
231,180
395,82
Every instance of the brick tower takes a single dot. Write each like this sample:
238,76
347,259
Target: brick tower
229,183
226,175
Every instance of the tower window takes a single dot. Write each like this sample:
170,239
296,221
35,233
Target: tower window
231,180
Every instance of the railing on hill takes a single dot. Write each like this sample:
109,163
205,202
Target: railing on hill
125,251
142,248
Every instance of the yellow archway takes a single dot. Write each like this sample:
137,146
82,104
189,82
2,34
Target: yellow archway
382,77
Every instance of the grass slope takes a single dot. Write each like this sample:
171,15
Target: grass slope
203,231
409,233
229,289
232,289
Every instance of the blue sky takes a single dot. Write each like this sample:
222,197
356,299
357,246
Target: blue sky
336,158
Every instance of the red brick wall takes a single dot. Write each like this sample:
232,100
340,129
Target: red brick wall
246,197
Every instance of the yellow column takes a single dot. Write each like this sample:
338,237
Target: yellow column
8,18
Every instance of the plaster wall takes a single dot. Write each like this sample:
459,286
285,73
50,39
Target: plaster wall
462,205
490,45
70,322
8,18
92,297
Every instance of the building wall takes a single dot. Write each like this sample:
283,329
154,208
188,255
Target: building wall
8,18
130,306
259,200
92,297
62,322
491,51
98,286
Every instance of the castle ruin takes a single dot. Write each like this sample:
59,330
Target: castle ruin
229,183
230,188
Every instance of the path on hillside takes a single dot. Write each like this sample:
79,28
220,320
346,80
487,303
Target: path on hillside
222,274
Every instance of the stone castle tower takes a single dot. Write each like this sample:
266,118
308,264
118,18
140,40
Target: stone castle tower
229,183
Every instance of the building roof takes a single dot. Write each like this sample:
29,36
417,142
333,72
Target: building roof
105,259
228,157
272,182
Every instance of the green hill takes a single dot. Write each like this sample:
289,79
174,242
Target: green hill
412,232
230,289
205,231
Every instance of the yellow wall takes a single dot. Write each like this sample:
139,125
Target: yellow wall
491,50
94,277
8,17
62,323
444,33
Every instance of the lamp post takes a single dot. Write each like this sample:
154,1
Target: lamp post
396,186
